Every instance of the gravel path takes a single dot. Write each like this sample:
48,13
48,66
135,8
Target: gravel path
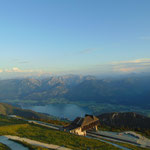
36,143
116,145
128,136
11,144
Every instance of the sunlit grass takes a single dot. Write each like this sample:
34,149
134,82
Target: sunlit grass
61,138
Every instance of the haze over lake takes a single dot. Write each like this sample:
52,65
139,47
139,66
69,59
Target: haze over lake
70,111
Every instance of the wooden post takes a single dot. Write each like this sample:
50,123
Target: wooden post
96,128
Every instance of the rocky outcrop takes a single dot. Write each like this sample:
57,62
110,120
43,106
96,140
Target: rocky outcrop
129,120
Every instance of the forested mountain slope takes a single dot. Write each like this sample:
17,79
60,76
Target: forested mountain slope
6,109
133,91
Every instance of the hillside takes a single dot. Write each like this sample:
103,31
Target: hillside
128,91
37,132
6,109
125,121
46,135
128,120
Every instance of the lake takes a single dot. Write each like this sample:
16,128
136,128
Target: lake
70,111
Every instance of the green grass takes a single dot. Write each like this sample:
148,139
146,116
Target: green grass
10,126
31,147
144,132
4,147
61,138
133,147
4,120
130,146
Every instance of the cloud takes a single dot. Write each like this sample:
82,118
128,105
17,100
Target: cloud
136,61
131,65
119,67
127,69
17,70
89,50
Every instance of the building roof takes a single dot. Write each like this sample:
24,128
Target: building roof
81,122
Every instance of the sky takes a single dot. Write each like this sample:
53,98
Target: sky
74,36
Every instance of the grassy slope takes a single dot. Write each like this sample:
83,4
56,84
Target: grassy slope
50,136
145,132
21,128
6,109
130,146
31,147
53,137
9,121
4,147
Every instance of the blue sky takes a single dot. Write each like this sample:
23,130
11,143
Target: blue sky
74,36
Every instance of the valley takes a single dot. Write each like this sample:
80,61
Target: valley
127,94
74,75
50,130
44,106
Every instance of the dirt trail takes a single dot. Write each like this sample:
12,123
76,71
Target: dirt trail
11,144
36,143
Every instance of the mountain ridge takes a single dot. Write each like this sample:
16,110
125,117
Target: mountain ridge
126,120
133,91
7,109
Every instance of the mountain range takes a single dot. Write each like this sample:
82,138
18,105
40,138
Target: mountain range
129,91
